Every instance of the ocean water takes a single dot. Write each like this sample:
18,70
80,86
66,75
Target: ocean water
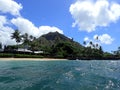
60,75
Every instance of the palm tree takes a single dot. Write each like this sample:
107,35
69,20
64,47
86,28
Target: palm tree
26,40
84,42
16,35
36,44
33,43
31,38
97,45
118,51
100,50
97,38
0,45
118,48
91,44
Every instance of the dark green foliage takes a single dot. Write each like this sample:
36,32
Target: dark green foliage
16,36
27,56
25,39
0,45
4,55
10,47
107,55
63,49
117,53
55,36
57,45
84,42
50,41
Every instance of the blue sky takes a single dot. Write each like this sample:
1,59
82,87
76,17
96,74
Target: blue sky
81,20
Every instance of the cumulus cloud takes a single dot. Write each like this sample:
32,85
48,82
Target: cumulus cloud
106,39
89,14
46,29
2,20
13,8
10,6
5,32
26,26
99,40
22,24
86,39
95,37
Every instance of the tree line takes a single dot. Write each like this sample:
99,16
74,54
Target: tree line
58,48
27,40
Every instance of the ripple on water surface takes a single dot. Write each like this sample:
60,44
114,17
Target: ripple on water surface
59,75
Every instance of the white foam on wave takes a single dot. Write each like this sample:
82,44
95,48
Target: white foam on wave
109,85
69,75
78,69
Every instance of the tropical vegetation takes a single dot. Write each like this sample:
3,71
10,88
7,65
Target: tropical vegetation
55,45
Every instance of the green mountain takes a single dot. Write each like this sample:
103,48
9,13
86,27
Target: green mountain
53,38
58,45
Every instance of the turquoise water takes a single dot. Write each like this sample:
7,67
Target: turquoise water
60,75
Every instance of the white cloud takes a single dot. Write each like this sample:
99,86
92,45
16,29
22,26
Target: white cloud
89,14
95,37
5,36
2,20
106,39
23,24
102,39
46,29
10,6
26,26
7,6
5,32
86,39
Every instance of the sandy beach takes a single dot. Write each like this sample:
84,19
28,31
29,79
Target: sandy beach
30,59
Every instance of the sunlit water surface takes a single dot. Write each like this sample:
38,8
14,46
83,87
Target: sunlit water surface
60,75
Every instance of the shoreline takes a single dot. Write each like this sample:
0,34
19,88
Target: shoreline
32,59
44,59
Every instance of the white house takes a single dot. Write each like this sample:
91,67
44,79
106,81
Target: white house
29,51
23,50
38,52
